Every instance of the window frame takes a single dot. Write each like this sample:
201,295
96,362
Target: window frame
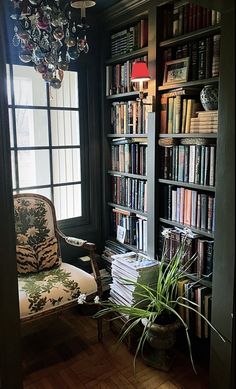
83,145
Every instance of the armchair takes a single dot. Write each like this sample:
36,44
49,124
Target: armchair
47,284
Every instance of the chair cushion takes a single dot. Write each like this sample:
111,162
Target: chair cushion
47,254
26,259
55,287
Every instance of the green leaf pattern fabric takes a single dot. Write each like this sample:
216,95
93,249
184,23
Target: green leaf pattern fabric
49,288
33,221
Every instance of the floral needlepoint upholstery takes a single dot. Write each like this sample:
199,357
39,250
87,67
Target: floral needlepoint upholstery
45,283
47,289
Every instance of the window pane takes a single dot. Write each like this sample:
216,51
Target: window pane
29,88
13,170
67,95
31,127
65,128
66,165
41,191
33,168
11,127
67,201
8,84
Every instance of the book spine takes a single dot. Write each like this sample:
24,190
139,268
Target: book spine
203,211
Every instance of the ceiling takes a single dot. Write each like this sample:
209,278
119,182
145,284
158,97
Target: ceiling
104,4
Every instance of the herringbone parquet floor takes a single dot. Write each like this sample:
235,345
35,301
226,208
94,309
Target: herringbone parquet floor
66,355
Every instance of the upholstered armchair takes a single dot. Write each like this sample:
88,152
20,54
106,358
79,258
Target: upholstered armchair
46,283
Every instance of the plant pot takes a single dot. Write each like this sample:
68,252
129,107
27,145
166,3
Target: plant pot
209,97
161,338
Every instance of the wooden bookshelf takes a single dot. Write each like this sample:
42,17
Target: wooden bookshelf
117,173
136,211
193,229
199,83
187,185
127,56
203,32
199,135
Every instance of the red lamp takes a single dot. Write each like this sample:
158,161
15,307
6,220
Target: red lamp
140,74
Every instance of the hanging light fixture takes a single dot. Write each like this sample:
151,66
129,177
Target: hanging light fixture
50,35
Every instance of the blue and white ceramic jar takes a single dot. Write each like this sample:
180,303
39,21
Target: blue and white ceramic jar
209,97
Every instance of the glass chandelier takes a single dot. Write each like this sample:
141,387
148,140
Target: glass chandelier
50,35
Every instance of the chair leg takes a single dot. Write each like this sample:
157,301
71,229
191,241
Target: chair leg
99,328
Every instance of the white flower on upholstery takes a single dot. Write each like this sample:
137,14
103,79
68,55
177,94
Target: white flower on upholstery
32,231
166,233
96,300
22,239
81,299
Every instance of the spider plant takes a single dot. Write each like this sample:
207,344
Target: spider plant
158,304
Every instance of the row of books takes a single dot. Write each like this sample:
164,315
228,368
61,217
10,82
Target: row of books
179,113
202,296
204,122
112,247
129,192
189,163
135,227
184,18
118,77
199,252
129,39
176,109
189,207
129,157
130,117
204,57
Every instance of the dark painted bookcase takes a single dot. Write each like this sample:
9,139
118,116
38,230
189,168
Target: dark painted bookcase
113,96
222,284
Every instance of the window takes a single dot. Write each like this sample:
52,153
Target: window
45,139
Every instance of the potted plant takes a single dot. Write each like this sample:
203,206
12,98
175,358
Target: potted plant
158,308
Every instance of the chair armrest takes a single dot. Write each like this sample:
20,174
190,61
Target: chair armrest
91,247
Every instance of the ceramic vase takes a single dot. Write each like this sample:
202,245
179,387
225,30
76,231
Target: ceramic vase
209,97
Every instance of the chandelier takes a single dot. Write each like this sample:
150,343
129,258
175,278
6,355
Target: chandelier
50,35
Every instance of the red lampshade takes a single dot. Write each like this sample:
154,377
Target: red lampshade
140,72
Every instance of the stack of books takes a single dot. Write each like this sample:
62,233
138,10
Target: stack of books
204,122
132,267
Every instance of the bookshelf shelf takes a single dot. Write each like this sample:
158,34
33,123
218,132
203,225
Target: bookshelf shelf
201,281
199,135
199,83
191,35
128,246
128,209
187,185
195,230
124,96
127,56
117,173
127,135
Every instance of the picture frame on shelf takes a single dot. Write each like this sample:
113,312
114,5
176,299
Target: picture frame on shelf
176,71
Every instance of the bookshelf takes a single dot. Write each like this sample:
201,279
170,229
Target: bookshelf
222,284
129,139
186,172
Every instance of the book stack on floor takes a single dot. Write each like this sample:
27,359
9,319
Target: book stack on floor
135,267
111,248
204,122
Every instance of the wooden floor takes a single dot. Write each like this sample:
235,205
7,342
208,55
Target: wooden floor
66,355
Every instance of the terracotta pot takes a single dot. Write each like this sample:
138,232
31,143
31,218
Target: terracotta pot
161,339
